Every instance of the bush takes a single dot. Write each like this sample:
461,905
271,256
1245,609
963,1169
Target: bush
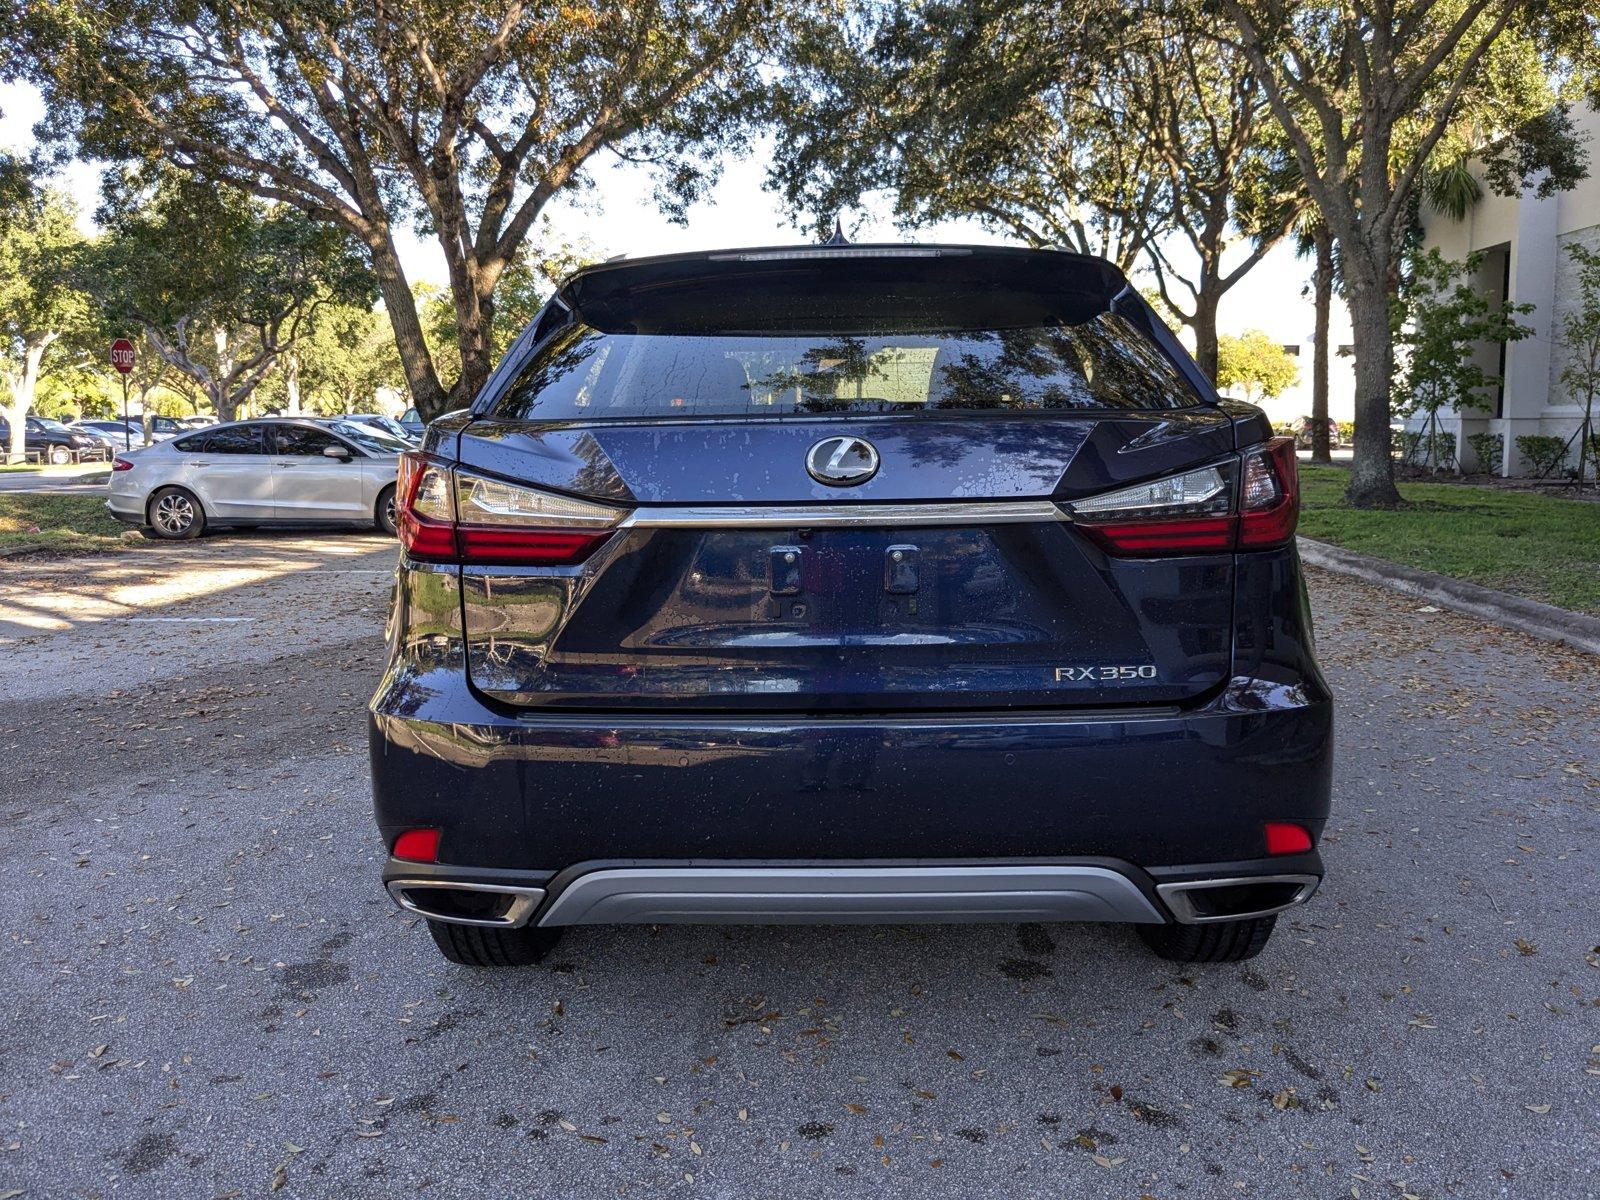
1406,441
1441,450
1543,452
1436,450
1488,448
1347,432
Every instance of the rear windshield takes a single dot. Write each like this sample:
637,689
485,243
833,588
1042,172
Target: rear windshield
1103,362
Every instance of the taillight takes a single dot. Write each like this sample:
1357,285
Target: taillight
122,464
447,514
425,516
1269,496
1190,513
1249,505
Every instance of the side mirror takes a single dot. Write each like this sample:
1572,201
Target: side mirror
339,452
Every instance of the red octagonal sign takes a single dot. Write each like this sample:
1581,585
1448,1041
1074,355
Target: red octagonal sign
122,355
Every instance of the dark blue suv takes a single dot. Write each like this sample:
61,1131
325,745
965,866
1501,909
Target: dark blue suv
850,583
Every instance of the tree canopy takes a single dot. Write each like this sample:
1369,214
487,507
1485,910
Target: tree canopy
1255,365
43,304
1369,97
221,284
463,119
1110,131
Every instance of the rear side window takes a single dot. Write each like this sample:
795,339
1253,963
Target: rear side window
303,441
232,439
1100,363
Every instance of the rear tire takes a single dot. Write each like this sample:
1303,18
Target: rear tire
1217,942
383,515
484,946
60,456
175,515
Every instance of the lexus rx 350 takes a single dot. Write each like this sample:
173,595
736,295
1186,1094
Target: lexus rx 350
850,584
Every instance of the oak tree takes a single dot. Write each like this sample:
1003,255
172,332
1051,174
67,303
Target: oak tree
222,285
1366,92
42,300
463,120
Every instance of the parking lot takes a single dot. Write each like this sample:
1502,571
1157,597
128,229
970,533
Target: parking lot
205,992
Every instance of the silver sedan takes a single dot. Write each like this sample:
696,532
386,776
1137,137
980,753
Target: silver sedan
265,472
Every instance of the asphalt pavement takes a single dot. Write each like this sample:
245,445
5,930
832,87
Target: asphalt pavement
205,992
82,478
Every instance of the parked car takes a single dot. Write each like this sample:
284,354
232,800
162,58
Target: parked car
1306,427
51,441
412,422
248,473
110,438
379,421
161,428
859,584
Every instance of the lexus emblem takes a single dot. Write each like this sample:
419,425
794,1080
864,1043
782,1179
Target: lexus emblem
842,461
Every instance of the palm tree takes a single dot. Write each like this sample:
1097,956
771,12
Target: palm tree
1313,237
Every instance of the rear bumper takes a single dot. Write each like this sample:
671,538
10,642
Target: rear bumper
713,892
536,794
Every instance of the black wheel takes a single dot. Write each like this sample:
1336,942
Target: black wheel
384,515
60,455
1218,942
483,946
175,514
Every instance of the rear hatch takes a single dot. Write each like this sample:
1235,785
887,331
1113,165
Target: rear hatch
840,482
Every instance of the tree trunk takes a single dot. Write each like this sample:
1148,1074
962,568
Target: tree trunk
1204,324
1322,289
421,379
218,386
291,381
23,387
1372,467
473,333
17,418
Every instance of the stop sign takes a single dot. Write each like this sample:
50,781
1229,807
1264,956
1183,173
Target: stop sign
122,355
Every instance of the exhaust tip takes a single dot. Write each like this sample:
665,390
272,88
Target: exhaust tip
1200,901
494,905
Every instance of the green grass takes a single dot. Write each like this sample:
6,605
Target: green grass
1543,547
58,524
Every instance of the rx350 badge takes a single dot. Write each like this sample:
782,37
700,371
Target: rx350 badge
1105,673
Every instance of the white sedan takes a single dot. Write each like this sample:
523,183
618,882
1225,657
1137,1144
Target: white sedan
266,472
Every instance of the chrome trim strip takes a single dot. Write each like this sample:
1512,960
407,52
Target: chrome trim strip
813,516
1176,896
718,895
523,901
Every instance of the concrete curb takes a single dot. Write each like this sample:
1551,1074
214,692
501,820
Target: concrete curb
1538,620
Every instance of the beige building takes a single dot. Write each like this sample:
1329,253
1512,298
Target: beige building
1524,240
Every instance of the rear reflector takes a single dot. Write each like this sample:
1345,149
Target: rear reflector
451,515
1283,838
417,845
